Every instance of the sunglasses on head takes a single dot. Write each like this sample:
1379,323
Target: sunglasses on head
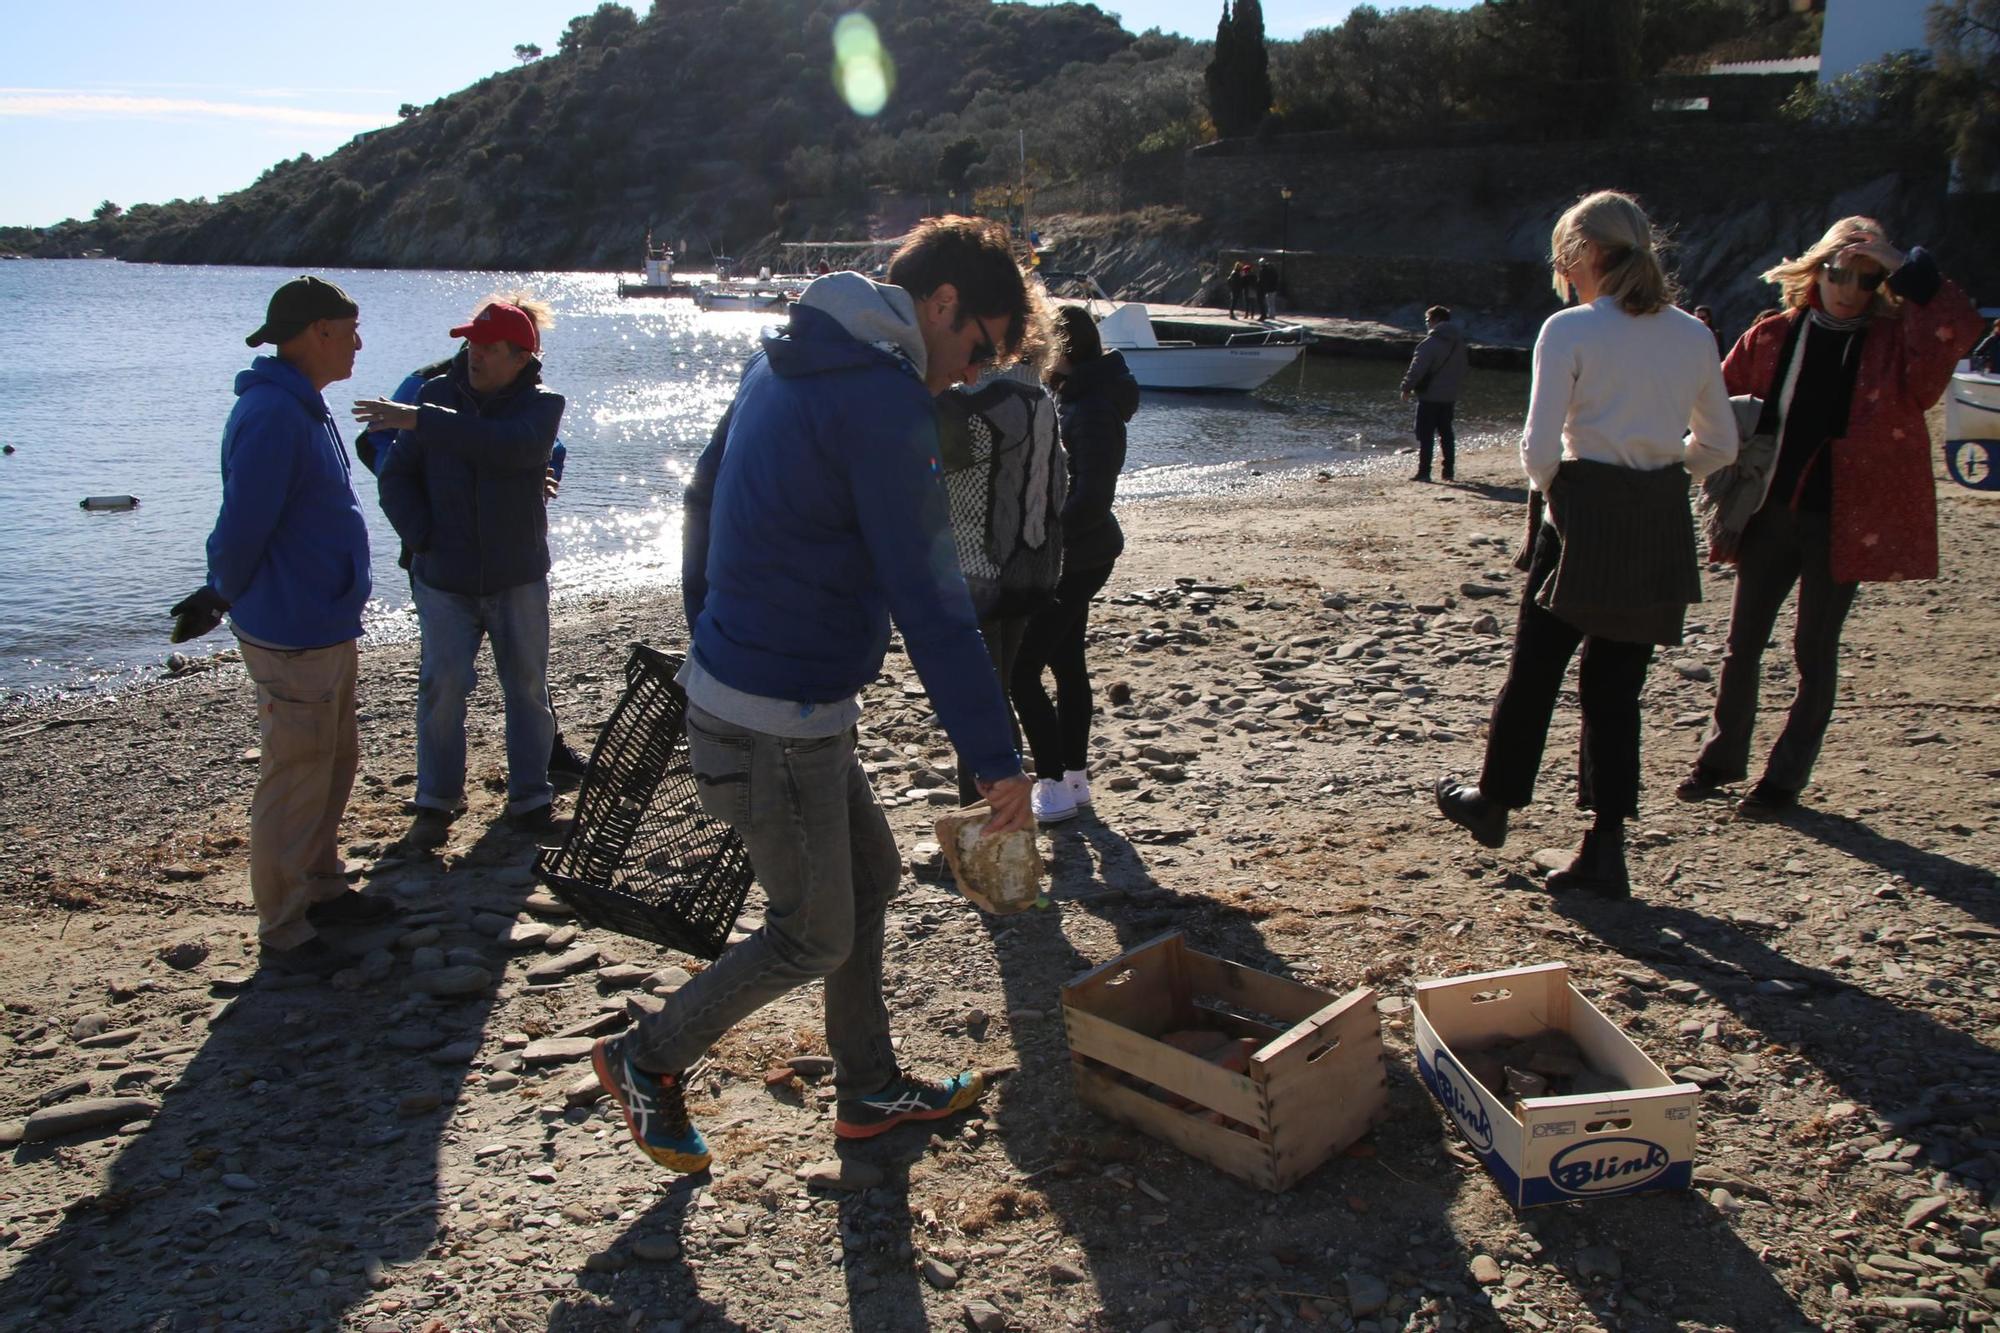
1843,277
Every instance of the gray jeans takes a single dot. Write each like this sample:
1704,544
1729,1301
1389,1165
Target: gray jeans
1780,547
822,850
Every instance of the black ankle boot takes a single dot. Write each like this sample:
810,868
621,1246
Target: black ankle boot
1468,807
1598,867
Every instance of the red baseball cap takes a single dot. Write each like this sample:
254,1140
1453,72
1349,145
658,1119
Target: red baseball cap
500,322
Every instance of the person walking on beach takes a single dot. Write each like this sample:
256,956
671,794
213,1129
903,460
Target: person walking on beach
1435,378
288,561
464,487
1618,378
1865,346
1095,396
1004,480
373,447
814,516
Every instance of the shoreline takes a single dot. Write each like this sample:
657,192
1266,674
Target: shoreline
1302,661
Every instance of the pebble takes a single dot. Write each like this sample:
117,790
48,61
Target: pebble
236,1180
656,1249
451,982
985,1316
1595,1261
1485,1270
557,1050
562,965
87,1114
1366,1293
842,1173
938,1273
1923,1210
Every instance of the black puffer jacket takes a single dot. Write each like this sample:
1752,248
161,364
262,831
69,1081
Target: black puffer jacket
464,489
1092,407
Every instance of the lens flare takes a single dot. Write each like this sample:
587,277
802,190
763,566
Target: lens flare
862,69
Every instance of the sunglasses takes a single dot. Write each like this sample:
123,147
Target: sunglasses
984,352
1844,277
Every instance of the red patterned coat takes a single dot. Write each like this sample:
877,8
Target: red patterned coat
1884,495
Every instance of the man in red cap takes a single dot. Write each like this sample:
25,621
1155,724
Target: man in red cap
463,487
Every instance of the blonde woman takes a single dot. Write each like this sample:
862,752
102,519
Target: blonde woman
1619,379
1864,345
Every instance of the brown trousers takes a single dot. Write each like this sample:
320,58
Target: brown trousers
311,746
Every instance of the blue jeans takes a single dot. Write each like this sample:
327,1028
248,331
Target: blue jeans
823,852
452,625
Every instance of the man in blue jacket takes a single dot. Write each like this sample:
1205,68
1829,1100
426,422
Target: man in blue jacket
464,488
288,560
814,516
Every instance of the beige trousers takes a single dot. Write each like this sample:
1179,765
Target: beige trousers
311,745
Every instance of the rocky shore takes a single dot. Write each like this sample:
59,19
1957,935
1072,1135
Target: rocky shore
419,1145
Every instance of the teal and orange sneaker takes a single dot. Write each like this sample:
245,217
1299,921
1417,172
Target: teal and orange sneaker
655,1109
907,1099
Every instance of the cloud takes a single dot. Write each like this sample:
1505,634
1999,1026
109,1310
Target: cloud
65,103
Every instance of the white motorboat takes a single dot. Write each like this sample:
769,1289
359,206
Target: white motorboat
743,294
1972,427
1240,365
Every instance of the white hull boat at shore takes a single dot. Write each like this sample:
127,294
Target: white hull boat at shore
1972,428
1242,364
735,295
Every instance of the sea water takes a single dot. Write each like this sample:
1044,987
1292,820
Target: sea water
117,379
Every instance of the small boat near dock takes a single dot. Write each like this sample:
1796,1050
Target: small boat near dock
658,274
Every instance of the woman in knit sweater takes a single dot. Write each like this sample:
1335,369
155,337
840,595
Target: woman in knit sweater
1618,378
1865,345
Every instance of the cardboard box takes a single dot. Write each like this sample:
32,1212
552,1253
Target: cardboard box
1312,1086
1587,1146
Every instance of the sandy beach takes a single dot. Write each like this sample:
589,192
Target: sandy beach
1303,659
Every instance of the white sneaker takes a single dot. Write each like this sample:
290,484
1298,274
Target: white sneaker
1078,782
1052,801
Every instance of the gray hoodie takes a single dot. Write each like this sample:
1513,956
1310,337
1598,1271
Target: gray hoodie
1437,371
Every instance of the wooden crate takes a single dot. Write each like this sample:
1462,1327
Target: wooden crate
1314,1085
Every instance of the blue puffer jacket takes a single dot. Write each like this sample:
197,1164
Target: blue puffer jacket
464,489
815,514
290,549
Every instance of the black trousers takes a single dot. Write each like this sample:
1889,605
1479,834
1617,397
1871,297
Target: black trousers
1003,643
1434,419
1058,730
1610,675
1780,547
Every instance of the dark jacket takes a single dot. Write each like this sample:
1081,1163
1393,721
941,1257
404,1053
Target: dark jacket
1628,570
1437,371
464,489
1092,408
816,513
290,549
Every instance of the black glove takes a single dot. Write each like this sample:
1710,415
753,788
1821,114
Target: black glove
197,613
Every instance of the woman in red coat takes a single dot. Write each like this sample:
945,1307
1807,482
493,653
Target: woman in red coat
1864,346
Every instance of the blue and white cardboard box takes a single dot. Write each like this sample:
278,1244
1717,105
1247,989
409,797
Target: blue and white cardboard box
1557,1149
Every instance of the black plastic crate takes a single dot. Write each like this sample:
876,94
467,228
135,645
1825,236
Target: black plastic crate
642,858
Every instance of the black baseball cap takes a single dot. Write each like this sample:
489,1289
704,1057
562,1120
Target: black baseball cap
297,304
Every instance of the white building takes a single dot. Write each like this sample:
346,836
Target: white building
1858,31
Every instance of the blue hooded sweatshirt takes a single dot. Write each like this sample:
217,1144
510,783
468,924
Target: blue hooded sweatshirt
816,514
289,552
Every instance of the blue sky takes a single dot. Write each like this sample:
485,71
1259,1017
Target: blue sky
141,102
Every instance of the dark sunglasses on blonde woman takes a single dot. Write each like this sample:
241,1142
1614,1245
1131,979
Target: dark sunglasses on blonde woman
1845,277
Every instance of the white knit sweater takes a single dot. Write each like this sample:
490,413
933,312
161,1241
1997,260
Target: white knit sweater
1622,389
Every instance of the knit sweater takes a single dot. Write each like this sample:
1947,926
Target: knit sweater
1617,388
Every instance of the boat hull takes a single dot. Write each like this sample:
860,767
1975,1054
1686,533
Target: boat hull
1972,429
1208,369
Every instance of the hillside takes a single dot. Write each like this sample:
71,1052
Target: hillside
715,121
